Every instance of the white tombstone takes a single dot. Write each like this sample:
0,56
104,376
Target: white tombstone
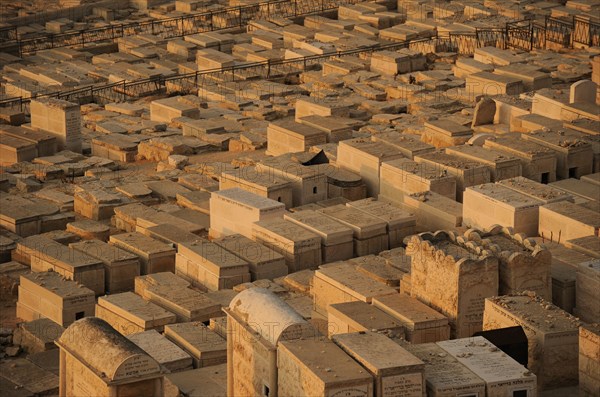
583,91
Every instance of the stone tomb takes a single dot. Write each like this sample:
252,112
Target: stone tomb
264,185
539,191
589,360
574,156
340,282
563,221
445,376
263,262
404,176
400,223
552,336
14,150
288,136
51,296
588,291
300,247
317,367
396,372
257,322
347,317
467,172
444,133
155,256
336,238
235,210
309,183
210,266
493,204
449,277
422,324
166,353
59,118
501,373
96,360
523,263
128,313
370,233
120,266
47,254
38,335
164,279
538,162
204,345
187,304
365,157
501,165
433,211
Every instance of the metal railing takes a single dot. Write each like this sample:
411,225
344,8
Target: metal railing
207,21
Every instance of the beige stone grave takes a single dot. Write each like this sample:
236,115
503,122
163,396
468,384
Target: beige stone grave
128,313
301,370
96,359
444,133
309,184
445,376
263,262
59,118
340,282
589,357
588,291
553,346
204,346
400,223
574,156
395,370
422,324
187,304
51,296
259,321
210,266
433,211
494,204
449,277
370,233
336,238
235,210
170,357
350,317
563,221
501,373
155,256
365,157
467,172
501,165
290,137
538,162
523,263
300,247
120,266
404,176
47,255
264,185
37,336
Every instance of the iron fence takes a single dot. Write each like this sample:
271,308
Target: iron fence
206,21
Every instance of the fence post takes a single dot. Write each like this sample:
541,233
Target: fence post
531,35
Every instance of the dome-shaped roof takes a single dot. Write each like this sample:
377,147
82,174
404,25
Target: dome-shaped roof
106,351
269,315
